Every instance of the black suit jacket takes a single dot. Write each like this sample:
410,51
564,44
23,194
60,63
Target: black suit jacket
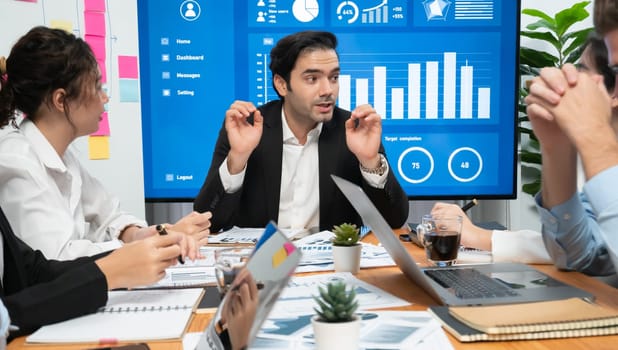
37,291
257,201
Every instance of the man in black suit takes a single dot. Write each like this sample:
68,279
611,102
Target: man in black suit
274,162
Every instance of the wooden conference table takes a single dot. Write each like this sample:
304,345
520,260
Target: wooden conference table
393,281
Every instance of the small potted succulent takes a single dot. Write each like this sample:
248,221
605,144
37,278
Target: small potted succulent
336,326
346,248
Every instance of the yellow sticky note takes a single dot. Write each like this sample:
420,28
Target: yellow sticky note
67,26
98,147
279,257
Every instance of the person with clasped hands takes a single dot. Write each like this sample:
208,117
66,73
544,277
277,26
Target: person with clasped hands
55,205
526,246
274,162
571,114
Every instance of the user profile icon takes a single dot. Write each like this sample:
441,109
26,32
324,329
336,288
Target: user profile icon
190,10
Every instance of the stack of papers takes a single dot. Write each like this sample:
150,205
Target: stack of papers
379,330
193,273
317,252
289,324
238,235
297,298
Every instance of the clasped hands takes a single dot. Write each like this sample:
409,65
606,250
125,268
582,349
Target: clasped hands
576,102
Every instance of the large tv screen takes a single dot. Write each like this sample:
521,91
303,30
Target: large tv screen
441,73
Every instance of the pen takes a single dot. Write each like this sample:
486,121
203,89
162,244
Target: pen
259,286
162,232
469,205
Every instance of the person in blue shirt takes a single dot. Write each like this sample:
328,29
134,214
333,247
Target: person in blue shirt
571,114
526,246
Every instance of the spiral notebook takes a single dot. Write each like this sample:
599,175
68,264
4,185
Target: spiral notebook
128,316
567,318
573,313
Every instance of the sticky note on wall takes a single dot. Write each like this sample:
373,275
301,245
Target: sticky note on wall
98,147
127,67
95,23
129,90
97,45
67,26
94,5
103,126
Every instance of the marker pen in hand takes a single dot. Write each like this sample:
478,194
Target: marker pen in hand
469,205
162,232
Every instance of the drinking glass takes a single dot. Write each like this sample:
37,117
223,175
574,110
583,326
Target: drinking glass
440,235
228,262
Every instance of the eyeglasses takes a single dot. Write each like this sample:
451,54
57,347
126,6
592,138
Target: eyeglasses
614,69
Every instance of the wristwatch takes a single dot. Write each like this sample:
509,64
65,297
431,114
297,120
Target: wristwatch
379,170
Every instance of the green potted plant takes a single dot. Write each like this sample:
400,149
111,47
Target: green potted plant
565,47
336,326
346,248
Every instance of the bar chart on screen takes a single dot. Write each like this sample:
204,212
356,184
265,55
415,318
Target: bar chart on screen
408,82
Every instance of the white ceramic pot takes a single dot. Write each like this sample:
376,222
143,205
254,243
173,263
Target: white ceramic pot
339,336
347,258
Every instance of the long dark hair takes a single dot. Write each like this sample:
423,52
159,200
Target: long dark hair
40,62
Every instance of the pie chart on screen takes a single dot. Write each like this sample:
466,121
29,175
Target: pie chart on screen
305,10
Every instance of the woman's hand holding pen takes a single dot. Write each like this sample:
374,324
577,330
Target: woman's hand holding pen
189,244
141,262
195,229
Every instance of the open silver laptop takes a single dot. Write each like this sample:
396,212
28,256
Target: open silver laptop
497,283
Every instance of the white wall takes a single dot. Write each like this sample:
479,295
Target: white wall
122,173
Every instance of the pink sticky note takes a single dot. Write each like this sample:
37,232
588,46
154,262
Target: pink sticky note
94,5
34,1
103,70
97,44
95,23
127,67
289,247
103,126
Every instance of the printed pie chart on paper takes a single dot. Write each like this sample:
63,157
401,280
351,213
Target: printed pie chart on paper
305,10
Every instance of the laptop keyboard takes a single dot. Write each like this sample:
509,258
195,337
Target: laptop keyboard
470,283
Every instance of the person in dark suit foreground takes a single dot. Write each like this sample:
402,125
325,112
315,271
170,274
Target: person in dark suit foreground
37,291
274,162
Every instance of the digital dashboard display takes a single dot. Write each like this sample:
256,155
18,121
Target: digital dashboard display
441,73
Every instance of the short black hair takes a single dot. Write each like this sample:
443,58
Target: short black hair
284,55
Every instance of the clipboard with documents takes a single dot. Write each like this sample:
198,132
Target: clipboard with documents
272,263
